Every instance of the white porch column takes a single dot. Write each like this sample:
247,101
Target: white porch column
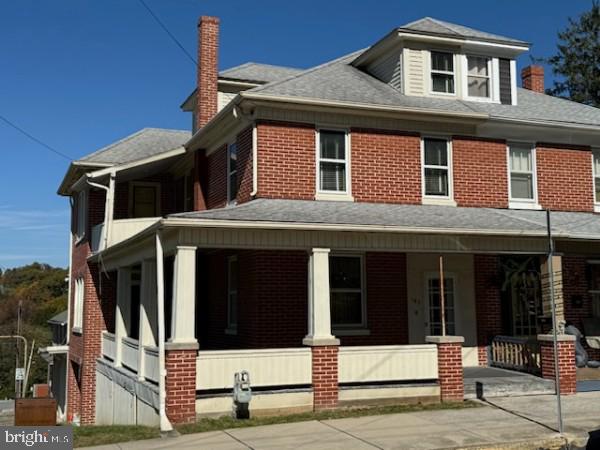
183,318
319,308
122,313
148,312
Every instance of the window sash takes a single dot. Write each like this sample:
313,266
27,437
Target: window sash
333,172
232,181
436,173
596,172
447,77
521,173
358,292
80,214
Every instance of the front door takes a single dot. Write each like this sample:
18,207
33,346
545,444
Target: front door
433,315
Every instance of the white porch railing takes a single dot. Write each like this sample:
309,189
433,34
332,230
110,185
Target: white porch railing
151,363
129,353
108,345
271,367
387,363
120,230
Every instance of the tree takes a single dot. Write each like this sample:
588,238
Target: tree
577,62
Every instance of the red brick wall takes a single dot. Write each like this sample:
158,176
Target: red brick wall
244,165
386,166
286,161
208,59
325,377
180,385
532,78
488,307
480,172
450,372
216,175
564,175
566,365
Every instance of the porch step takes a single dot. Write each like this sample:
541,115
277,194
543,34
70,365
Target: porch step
503,383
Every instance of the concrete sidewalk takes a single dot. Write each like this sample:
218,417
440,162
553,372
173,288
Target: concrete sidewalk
529,421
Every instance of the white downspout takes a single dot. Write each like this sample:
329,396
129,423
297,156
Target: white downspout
165,424
68,334
108,205
254,161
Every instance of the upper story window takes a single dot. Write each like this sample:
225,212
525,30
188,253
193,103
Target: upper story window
479,76
347,291
442,72
332,161
78,305
521,164
596,170
436,170
232,293
81,214
232,185
144,199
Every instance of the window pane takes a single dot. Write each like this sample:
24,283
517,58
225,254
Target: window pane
479,87
436,152
442,83
521,185
436,182
346,308
594,277
333,176
520,159
597,164
144,201
333,144
442,61
233,186
597,182
344,272
232,158
478,66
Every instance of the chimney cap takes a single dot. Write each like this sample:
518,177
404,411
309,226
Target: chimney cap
532,69
208,19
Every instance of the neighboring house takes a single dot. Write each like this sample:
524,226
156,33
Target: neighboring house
56,355
297,232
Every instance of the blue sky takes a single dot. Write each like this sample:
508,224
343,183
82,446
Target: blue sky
79,74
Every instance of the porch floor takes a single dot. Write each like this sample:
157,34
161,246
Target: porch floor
496,382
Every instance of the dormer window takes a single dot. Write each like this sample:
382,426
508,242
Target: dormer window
478,76
442,72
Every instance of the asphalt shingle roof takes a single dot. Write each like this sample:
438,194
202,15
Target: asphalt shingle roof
429,25
262,73
564,224
142,144
61,318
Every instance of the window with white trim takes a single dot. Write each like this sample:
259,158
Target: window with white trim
442,72
521,163
346,291
332,161
436,168
232,293
478,76
232,182
596,171
78,304
435,305
81,214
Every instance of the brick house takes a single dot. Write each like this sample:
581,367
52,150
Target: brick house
297,232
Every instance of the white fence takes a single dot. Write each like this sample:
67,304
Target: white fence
129,353
108,345
387,363
151,363
272,367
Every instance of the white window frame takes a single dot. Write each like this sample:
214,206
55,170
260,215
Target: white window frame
321,194
490,77
81,215
232,201
442,72
522,203
358,329
78,305
134,184
595,175
438,199
232,326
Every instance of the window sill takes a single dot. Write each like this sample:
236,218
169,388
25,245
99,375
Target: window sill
352,332
524,205
77,331
231,331
334,196
438,201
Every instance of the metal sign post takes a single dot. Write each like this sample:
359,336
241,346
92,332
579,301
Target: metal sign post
554,324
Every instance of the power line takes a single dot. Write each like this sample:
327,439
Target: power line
34,139
164,27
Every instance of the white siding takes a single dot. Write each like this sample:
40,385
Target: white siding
223,98
414,64
388,69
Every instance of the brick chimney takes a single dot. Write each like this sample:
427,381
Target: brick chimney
208,69
532,78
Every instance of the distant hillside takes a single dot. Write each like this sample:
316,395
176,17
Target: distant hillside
42,291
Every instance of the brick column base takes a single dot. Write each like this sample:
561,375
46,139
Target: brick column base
450,368
180,383
325,377
566,361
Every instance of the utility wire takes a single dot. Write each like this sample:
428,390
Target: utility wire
166,30
34,139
